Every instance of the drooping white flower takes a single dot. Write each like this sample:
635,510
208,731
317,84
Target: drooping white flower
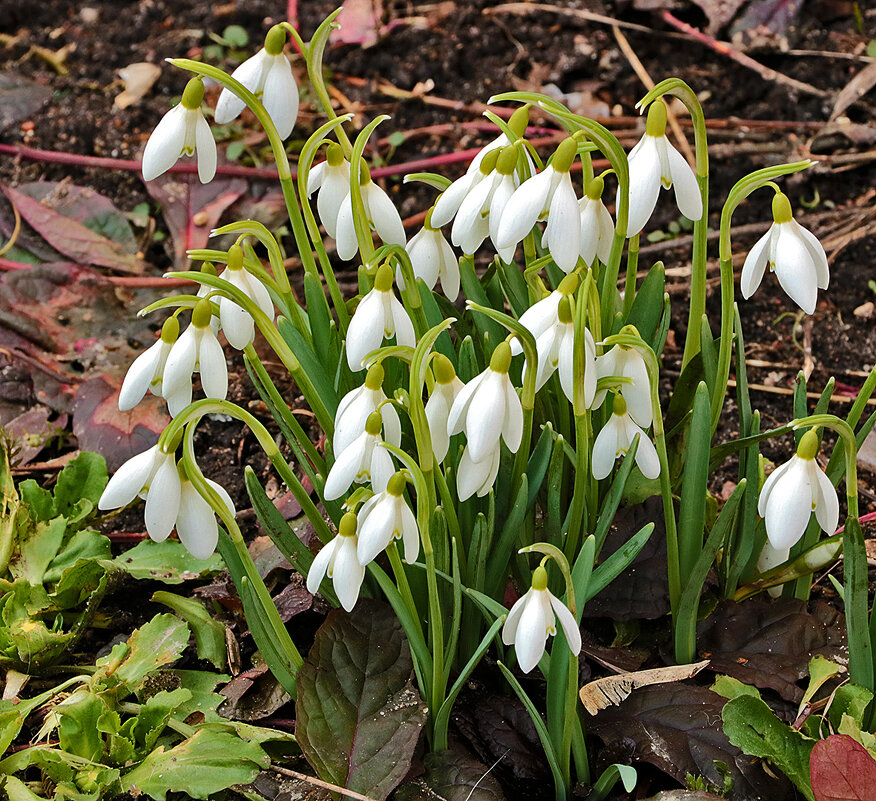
627,363
654,162
146,373
380,315
451,199
597,227
533,618
330,179
362,461
477,477
544,313
237,322
550,192
196,521
183,131
338,561
488,409
381,213
615,439
268,75
793,492
447,387
356,407
769,558
197,350
385,517
793,253
432,257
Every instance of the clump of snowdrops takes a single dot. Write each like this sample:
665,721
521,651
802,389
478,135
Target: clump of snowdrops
486,432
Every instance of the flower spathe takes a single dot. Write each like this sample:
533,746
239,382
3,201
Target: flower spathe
268,75
338,561
197,349
363,460
533,618
146,373
330,179
447,387
236,322
654,162
793,253
793,492
182,131
356,407
385,517
379,316
616,438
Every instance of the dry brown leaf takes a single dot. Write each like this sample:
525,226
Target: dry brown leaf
854,90
599,694
138,79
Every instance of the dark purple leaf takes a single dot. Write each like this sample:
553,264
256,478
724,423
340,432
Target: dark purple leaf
452,776
774,16
359,715
20,98
32,431
252,695
841,769
769,643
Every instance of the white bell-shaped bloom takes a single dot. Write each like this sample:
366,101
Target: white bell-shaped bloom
380,315
544,314
132,478
793,253
550,192
444,393
477,477
432,258
197,350
533,618
381,213
330,179
793,492
357,406
196,521
146,373
615,439
556,352
628,363
385,517
597,227
339,562
654,162
363,460
183,131
487,408
769,558
237,323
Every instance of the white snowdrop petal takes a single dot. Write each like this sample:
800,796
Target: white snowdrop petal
755,266
816,251
567,621
770,482
638,394
249,73
401,323
236,322
384,215
375,530
647,459
424,250
223,495
139,376
320,564
605,449
212,366
644,183
180,362
795,269
280,95
606,233
259,293
348,574
196,524
471,476
436,416
205,147
494,471
826,500
391,425
469,227
345,468
315,178
166,143
565,367
329,202
345,234
459,410
789,507
538,318
531,634
589,229
509,630
512,430
486,417
382,469
688,197
162,500
350,421
365,332
523,209
563,218
449,271
448,202
127,482
410,532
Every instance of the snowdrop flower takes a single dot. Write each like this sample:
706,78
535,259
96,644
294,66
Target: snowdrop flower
444,393
147,371
268,75
615,439
769,558
197,349
196,521
628,363
338,561
380,315
237,322
477,477
182,132
432,257
550,192
363,460
556,350
487,408
450,200
654,162
357,406
793,253
382,215
793,492
153,475
597,227
330,179
385,517
544,313
533,618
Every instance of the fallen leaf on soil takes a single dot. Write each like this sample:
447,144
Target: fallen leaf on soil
32,431
610,690
677,728
842,770
139,79
72,238
358,23
854,90
252,696
770,643
773,16
452,776
20,98
117,436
